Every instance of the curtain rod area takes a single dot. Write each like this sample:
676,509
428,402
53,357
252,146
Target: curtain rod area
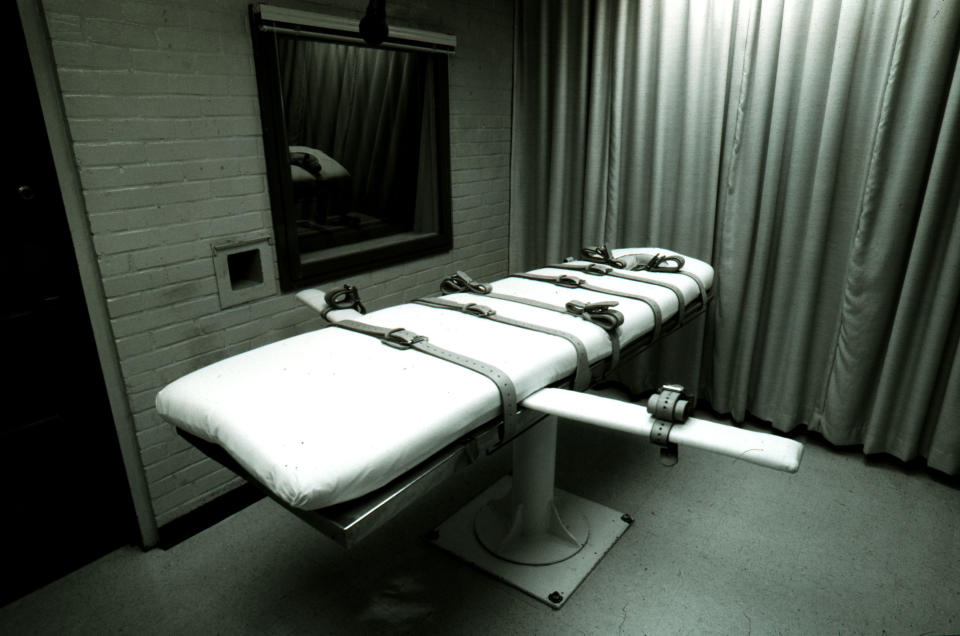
326,27
390,43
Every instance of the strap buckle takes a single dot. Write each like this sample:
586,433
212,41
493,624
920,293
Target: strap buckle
600,307
461,282
670,404
600,313
597,269
601,254
346,298
659,263
401,338
479,310
571,282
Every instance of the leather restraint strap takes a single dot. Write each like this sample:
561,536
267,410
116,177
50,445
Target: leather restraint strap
581,379
461,282
602,255
606,316
668,406
655,263
402,339
658,263
346,298
601,314
572,282
598,269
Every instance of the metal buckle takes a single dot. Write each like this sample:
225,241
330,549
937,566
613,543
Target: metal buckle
453,284
657,263
609,320
478,310
571,282
346,298
576,307
601,313
461,282
601,307
401,338
601,254
670,404
597,269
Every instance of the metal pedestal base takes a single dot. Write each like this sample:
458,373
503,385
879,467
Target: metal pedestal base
523,531
553,584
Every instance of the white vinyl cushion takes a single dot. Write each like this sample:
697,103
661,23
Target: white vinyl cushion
331,415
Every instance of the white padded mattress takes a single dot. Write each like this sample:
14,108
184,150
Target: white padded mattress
331,415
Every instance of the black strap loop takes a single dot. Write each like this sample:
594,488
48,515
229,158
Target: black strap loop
601,254
346,298
661,265
461,282
658,263
601,314
571,282
604,316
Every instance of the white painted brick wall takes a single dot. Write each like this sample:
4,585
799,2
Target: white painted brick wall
161,102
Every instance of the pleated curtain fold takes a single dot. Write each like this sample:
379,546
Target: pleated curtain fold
809,150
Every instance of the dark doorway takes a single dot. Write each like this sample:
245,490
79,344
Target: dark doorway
63,490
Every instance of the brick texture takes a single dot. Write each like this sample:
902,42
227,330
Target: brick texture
161,103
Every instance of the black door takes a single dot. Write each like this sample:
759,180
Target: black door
63,493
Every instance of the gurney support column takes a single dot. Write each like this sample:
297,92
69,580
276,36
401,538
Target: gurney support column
526,526
527,533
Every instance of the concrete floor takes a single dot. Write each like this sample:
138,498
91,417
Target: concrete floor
845,546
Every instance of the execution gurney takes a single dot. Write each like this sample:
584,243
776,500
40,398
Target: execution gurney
347,425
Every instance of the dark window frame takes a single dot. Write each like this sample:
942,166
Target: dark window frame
294,272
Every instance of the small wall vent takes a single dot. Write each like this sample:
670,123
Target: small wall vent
245,270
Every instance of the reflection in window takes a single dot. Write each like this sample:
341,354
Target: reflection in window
356,140
360,125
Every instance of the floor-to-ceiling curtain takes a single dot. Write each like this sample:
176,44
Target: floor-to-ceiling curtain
618,126
809,150
894,381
